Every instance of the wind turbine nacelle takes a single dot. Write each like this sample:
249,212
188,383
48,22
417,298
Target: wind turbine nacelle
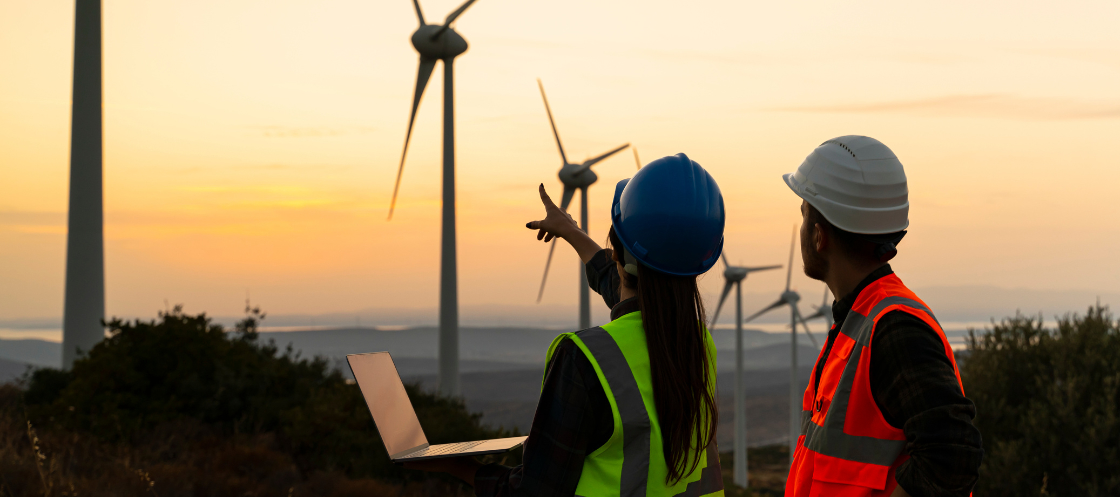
791,297
447,45
734,274
571,176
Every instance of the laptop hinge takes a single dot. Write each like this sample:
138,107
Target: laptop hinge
409,451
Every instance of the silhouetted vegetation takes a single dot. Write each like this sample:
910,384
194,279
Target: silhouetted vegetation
180,406
1048,405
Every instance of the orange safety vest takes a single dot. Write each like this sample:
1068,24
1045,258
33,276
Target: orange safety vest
846,447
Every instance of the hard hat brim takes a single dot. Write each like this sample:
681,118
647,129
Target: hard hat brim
846,225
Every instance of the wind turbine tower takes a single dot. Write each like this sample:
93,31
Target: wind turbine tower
84,305
574,177
441,42
734,275
790,298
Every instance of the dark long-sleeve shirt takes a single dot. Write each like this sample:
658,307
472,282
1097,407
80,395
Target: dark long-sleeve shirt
916,389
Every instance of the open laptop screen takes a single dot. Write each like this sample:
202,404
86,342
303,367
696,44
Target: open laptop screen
387,400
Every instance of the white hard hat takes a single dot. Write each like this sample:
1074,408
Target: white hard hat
856,183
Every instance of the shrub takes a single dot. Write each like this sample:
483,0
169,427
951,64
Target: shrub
1048,405
186,370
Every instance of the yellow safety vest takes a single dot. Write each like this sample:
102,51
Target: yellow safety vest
632,462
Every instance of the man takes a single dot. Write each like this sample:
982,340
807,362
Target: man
885,412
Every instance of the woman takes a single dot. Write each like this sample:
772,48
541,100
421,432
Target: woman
628,408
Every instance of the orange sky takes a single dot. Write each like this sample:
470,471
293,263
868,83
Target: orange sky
253,145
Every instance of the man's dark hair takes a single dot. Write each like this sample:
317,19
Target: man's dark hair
868,248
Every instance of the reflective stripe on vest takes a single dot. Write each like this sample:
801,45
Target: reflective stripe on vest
829,439
633,440
635,419
847,447
711,478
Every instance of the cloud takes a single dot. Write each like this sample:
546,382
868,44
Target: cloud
273,167
983,105
1098,55
309,132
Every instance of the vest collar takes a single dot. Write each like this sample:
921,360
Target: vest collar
840,308
625,307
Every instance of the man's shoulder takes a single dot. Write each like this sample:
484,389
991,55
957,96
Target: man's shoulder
901,331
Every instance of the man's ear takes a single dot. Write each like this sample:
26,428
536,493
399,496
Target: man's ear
820,238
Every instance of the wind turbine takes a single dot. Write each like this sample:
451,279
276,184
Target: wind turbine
790,298
636,159
574,176
824,311
441,42
734,275
84,304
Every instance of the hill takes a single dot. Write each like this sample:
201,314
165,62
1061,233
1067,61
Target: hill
11,370
31,351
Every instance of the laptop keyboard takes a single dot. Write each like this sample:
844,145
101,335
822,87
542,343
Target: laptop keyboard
435,450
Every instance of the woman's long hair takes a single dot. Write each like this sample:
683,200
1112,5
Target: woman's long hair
683,391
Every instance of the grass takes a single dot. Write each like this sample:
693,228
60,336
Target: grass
766,471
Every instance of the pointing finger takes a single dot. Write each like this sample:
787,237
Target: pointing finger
545,199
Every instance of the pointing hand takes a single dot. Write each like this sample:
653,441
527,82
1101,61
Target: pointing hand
556,223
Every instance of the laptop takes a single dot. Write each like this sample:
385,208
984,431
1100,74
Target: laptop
381,385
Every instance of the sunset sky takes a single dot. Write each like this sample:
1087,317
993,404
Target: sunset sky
252,145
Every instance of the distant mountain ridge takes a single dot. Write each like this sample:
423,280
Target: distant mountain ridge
31,351
11,370
481,348
964,303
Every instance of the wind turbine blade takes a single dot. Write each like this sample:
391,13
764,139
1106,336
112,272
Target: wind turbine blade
726,290
591,162
540,293
451,18
636,159
761,268
552,123
422,75
789,272
804,325
723,257
769,308
462,8
569,192
815,315
419,14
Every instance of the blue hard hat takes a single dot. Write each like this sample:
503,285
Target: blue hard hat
670,217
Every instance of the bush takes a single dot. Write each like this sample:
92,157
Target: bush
1048,405
151,378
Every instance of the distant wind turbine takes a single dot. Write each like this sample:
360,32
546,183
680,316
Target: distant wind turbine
734,276
441,42
824,311
636,159
84,304
790,298
574,176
